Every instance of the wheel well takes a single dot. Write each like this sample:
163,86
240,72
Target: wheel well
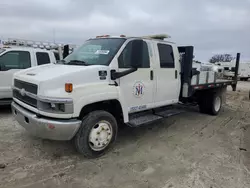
202,94
111,106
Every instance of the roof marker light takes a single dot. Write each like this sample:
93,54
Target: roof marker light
102,36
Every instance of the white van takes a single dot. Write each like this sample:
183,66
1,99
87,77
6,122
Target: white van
244,71
229,69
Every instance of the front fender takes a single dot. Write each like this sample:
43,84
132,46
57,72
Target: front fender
96,94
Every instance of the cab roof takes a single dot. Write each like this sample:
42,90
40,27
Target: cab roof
160,37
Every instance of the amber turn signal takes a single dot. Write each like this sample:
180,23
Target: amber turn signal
69,87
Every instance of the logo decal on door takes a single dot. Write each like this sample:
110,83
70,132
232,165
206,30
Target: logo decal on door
138,89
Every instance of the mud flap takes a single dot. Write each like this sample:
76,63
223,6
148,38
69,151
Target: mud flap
222,92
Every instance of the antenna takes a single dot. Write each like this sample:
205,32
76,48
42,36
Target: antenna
54,35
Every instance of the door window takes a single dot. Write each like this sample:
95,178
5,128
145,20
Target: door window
166,56
42,58
15,60
124,59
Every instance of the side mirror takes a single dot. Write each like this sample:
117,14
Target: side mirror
65,51
136,53
195,72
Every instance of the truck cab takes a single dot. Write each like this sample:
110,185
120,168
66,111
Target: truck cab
106,82
145,88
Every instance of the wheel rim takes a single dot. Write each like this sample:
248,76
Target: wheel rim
100,135
217,104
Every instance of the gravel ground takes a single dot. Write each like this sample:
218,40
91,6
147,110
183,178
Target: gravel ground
188,150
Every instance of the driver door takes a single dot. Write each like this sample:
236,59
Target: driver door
137,87
11,62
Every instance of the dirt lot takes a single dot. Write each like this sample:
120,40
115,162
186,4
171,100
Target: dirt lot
188,150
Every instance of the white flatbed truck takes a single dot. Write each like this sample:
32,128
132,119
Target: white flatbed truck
110,81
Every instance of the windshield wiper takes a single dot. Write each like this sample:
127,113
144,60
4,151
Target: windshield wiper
62,61
78,62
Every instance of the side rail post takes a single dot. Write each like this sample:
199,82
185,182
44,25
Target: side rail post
236,71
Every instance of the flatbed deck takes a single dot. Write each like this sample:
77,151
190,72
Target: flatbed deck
209,79
218,83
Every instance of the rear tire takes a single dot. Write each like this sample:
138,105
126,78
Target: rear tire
97,133
210,103
214,104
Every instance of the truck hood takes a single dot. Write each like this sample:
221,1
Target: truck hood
51,78
54,71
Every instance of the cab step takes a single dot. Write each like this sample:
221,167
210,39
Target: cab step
147,117
167,112
137,120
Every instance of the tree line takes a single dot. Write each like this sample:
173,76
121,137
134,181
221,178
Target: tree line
219,58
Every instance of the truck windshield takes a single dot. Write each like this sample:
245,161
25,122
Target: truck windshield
95,52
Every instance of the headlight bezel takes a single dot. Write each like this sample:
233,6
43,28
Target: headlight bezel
45,105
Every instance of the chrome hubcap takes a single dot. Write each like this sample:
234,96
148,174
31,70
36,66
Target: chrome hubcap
100,135
217,104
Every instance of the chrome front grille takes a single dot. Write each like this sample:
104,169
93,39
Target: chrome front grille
26,99
25,92
29,87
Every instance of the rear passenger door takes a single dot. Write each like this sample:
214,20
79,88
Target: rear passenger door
42,58
166,73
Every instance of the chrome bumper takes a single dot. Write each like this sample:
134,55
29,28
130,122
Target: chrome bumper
47,128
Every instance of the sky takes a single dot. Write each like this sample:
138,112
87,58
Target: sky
211,26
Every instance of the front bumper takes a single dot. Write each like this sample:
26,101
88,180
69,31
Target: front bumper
47,128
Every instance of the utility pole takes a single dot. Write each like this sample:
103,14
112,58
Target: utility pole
54,35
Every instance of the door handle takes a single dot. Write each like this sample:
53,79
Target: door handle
176,74
151,75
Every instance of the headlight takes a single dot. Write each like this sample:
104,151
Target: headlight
58,107
52,106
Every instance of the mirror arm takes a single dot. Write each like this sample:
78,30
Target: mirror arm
194,72
115,75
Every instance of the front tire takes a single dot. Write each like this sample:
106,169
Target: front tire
96,135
